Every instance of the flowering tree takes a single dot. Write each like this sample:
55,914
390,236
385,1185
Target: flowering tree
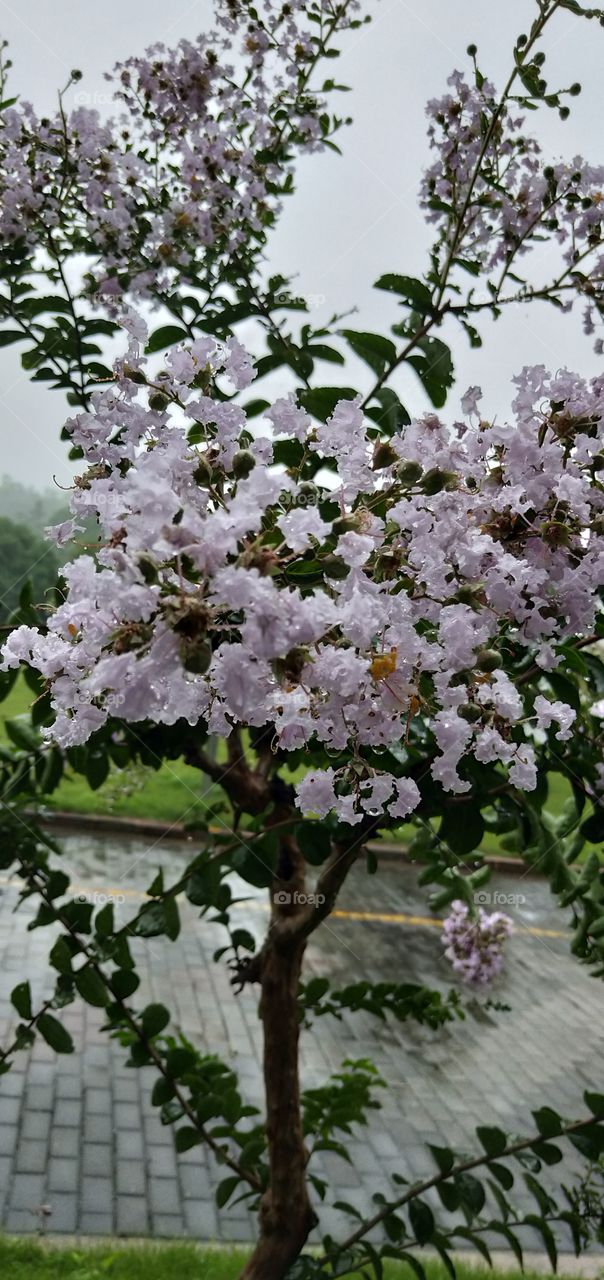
402,614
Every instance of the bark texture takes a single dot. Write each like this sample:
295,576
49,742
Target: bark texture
286,1214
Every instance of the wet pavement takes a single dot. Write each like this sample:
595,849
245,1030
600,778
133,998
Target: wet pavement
79,1135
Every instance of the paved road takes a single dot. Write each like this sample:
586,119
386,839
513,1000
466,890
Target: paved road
80,1135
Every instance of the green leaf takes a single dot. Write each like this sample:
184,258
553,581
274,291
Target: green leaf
61,956
492,1139
167,336
590,1142
377,351
501,1229
503,1175
154,1019
547,1236
593,827
162,1092
392,415
548,1122
156,918
547,1152
434,369
91,987
595,1102
54,1034
97,769
23,737
409,288
472,1193
21,1000
256,863
225,1190
103,921
288,452
314,841
565,689
444,1157
10,335
321,401
462,827
422,1220
186,1138
315,990
124,983
320,351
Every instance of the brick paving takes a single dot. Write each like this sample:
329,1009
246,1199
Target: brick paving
79,1133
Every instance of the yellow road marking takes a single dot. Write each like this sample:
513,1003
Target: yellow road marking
371,917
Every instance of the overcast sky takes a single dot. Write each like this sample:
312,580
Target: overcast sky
354,217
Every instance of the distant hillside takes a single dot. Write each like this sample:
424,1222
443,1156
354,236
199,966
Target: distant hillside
32,507
24,555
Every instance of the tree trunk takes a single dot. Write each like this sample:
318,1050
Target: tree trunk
286,1215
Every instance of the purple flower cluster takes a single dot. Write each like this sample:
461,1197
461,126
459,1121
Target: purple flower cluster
198,604
475,943
493,196
195,164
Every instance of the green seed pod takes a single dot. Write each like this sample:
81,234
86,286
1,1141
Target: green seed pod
436,480
488,660
470,713
196,656
243,463
409,472
135,375
308,490
158,401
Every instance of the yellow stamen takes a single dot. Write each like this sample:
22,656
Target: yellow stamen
383,665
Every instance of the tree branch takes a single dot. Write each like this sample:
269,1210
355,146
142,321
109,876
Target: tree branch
463,1167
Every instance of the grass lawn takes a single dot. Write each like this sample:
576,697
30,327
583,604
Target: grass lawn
25,1260
175,792
169,794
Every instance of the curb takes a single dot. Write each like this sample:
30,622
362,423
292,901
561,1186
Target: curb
63,821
